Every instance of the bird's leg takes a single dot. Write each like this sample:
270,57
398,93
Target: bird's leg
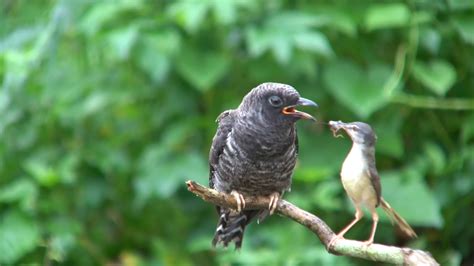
375,219
358,215
274,198
239,199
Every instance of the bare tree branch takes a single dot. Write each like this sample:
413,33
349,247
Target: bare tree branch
375,252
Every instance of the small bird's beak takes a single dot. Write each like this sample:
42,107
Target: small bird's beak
291,110
337,125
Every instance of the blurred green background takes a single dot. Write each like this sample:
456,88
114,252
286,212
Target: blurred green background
107,107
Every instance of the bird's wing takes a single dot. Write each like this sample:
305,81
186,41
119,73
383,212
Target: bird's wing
375,179
225,123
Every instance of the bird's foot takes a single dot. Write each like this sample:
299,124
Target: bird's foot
274,198
334,240
239,199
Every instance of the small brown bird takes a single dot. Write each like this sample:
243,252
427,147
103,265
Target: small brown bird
361,180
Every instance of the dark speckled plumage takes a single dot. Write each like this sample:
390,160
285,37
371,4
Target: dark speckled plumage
254,153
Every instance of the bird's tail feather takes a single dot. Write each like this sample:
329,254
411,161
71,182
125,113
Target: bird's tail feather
231,227
394,216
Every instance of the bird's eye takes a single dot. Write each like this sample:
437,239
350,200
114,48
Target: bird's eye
275,101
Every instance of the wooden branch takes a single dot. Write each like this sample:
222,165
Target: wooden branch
375,252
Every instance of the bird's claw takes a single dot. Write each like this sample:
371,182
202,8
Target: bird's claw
239,199
274,198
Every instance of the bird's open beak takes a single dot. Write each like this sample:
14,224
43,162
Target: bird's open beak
291,110
337,125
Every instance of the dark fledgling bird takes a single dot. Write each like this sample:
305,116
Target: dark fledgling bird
361,180
254,153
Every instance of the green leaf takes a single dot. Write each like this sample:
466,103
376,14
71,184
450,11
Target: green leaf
167,42
188,14
387,16
67,168
388,130
23,190
257,41
19,37
430,39
285,31
461,4
94,103
360,91
436,157
465,27
340,19
226,12
402,193
45,174
155,64
315,42
121,41
60,245
156,50
62,239
303,65
422,17
161,173
437,75
104,12
295,20
326,194
164,166
202,69
18,236
18,68
282,48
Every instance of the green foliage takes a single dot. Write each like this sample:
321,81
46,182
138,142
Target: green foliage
107,107
412,191
438,76
383,16
19,235
359,90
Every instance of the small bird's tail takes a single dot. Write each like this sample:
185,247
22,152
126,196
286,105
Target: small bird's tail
231,226
394,216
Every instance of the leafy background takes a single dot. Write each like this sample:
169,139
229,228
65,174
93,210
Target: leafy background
107,107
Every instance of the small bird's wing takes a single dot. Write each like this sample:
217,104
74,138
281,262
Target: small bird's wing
225,122
375,180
